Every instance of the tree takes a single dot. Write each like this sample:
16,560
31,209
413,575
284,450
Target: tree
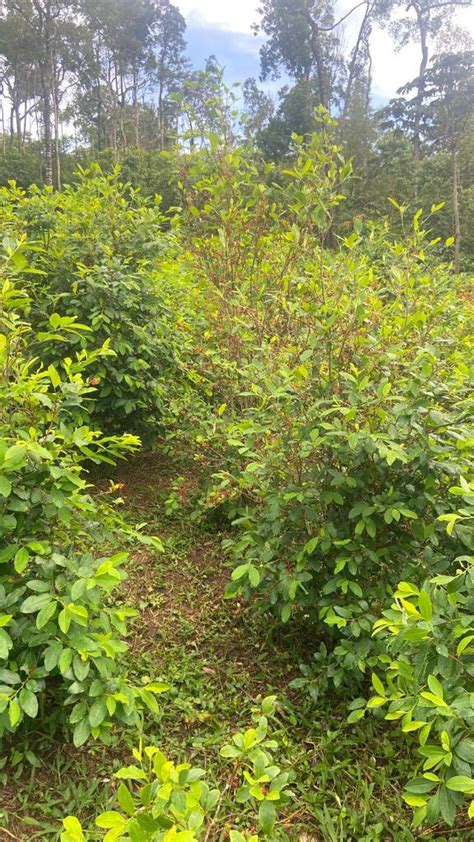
116,34
259,108
169,65
301,43
42,24
449,102
423,20
207,105
18,73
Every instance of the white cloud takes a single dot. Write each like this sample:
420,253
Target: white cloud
391,69
234,16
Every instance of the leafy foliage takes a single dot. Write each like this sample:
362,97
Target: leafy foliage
315,392
60,643
174,802
99,246
428,634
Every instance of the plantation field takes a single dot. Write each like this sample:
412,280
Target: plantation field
236,511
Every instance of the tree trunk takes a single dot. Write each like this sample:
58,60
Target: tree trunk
423,25
57,147
456,215
355,53
47,132
135,108
161,118
316,49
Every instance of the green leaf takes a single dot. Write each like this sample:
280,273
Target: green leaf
97,713
463,644
377,685
461,783
447,806
311,545
65,660
22,558
35,603
5,486
72,830
81,668
414,800
425,606
131,773
157,687
54,376
110,819
435,700
6,644
267,816
254,576
51,655
376,701
15,456
125,799
81,732
46,614
240,571
14,712
28,702
64,620
435,686
356,715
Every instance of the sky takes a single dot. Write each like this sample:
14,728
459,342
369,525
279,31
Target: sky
224,28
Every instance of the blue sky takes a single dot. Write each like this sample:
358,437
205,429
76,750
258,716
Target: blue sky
237,51
224,28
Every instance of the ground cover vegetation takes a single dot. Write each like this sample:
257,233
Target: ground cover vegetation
236,445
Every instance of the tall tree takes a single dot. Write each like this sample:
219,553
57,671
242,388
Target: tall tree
118,51
449,103
42,22
301,43
422,21
18,73
168,64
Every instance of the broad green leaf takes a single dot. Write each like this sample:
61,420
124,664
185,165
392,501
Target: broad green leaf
125,799
46,614
35,603
28,702
5,486
6,644
72,830
131,773
97,713
81,732
461,783
435,686
425,606
110,819
14,712
377,685
414,800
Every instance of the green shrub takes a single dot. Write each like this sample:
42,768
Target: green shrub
60,639
100,248
339,466
428,663
173,801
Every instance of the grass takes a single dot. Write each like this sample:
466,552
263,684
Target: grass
218,656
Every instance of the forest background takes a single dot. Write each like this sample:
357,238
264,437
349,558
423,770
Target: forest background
110,81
